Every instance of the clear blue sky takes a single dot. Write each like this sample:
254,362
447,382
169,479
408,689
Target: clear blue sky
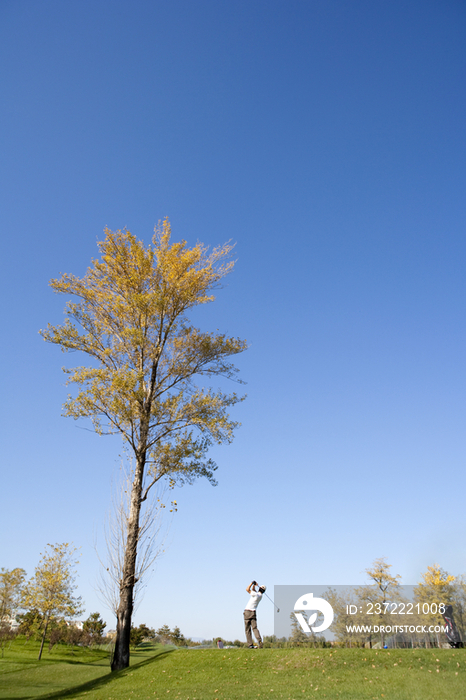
327,138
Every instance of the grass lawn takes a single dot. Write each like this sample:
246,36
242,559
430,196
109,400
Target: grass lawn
230,674
62,669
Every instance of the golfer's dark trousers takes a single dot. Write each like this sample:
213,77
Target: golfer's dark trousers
250,623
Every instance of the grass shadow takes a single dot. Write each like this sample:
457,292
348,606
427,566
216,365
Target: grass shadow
95,684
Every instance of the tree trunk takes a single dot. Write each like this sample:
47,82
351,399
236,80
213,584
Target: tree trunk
125,608
43,636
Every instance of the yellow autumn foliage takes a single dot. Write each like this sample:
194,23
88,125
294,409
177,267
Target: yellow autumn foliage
129,314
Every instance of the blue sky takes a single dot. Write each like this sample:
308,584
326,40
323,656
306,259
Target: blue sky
327,139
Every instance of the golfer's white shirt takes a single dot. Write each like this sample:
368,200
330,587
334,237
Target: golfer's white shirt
254,601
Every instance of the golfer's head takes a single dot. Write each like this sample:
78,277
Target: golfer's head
262,589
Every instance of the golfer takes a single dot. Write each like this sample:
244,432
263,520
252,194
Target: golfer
250,618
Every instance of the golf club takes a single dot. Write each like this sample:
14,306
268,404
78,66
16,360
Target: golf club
278,609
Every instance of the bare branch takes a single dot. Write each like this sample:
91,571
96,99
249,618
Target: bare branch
152,535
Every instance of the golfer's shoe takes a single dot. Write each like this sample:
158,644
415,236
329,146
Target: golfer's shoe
261,646
251,646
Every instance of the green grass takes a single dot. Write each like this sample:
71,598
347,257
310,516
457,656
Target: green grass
63,670
231,674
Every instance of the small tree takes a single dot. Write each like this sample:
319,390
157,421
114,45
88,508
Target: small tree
58,632
74,635
6,635
129,316
51,590
30,623
94,627
178,638
11,584
138,634
165,634
298,637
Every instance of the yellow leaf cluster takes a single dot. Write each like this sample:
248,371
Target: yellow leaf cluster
51,589
129,316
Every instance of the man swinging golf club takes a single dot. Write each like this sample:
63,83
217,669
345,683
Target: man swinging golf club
250,617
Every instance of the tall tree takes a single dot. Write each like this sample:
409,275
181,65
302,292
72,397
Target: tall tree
436,588
344,623
11,583
384,590
459,604
130,317
51,590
